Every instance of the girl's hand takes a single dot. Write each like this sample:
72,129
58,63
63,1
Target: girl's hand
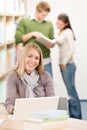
11,111
63,67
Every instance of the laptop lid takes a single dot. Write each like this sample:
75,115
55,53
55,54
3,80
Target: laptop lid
24,106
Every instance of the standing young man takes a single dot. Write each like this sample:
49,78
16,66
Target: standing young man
31,27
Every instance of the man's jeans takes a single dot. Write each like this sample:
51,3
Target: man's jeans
48,68
69,80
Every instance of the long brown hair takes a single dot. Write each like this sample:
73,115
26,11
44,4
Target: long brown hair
64,17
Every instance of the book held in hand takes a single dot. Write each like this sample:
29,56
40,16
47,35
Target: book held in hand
46,41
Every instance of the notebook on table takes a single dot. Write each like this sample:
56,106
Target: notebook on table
24,106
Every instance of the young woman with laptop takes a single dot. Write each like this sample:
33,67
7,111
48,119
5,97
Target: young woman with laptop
28,78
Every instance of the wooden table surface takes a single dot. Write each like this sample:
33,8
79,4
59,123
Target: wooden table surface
73,124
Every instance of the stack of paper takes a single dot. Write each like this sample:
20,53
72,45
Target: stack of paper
48,115
47,120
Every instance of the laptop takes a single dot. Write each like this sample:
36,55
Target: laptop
24,106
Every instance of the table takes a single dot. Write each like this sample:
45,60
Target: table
73,124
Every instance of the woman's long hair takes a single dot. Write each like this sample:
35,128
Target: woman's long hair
64,17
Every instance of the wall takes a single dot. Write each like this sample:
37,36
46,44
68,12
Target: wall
76,11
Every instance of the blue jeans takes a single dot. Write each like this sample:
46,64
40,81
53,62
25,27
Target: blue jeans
68,76
48,68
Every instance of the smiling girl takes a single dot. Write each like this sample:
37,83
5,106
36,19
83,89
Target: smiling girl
28,79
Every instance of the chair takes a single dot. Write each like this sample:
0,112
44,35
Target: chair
63,104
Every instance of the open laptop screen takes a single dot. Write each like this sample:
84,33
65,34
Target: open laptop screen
24,106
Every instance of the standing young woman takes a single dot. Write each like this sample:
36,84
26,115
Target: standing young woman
65,42
28,79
